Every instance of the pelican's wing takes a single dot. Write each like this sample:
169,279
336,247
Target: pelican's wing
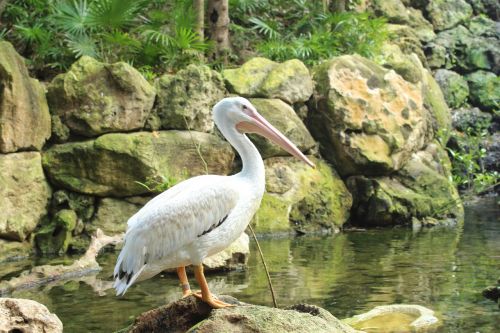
171,220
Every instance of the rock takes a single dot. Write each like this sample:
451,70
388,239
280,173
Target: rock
113,214
396,318
82,204
491,160
191,315
483,26
113,164
24,114
445,14
422,188
493,292
453,86
25,194
407,40
24,315
405,65
460,50
484,89
11,250
93,98
368,119
487,7
289,81
284,118
434,102
185,100
55,237
302,199
235,256
470,118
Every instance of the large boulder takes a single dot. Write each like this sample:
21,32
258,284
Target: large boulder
484,90
93,98
368,119
421,189
116,164
25,194
453,86
112,214
191,315
465,119
284,118
302,199
24,114
445,14
24,315
289,81
185,100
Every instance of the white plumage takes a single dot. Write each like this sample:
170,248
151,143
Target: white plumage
202,215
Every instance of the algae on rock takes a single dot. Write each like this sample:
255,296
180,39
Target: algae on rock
185,100
302,199
25,194
55,237
93,98
24,113
116,164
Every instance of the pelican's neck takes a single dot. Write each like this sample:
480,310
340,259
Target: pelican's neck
253,166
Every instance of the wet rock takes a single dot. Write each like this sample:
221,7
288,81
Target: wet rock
191,315
55,236
10,250
24,114
289,81
284,118
368,119
113,164
396,318
493,292
301,199
422,188
93,98
185,100
484,89
453,86
25,194
470,118
24,315
445,14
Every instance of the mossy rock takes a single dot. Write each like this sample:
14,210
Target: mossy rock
120,164
301,199
14,250
421,189
93,98
82,204
484,90
24,113
289,81
368,120
112,214
185,100
25,194
445,14
453,86
55,237
284,118
435,102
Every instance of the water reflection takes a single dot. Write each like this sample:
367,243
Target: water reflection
444,269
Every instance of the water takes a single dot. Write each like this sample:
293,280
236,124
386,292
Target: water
444,269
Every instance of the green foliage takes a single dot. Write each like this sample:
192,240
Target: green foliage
466,154
302,29
155,185
158,34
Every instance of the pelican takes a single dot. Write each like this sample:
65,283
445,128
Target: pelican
202,215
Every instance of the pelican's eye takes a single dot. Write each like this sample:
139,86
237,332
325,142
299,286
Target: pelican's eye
244,107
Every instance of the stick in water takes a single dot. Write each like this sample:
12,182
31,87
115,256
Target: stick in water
265,267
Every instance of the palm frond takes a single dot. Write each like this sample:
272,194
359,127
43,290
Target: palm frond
265,28
82,45
114,14
72,17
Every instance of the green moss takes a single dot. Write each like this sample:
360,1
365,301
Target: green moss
272,216
55,237
435,102
248,78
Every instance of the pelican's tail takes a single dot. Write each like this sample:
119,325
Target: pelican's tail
126,272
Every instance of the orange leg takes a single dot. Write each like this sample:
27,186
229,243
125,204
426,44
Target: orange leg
206,295
181,273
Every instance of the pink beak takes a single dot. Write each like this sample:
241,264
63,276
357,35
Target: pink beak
264,128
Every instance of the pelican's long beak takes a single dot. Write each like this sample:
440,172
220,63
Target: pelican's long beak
262,127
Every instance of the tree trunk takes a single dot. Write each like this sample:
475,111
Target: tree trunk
199,10
339,6
218,14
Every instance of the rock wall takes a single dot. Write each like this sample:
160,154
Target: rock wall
115,139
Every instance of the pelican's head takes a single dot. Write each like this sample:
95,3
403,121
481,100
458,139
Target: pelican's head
239,113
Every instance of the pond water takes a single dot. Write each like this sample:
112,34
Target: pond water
444,269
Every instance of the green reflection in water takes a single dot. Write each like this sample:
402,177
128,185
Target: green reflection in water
444,269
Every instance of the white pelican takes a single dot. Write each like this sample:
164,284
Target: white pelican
202,215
